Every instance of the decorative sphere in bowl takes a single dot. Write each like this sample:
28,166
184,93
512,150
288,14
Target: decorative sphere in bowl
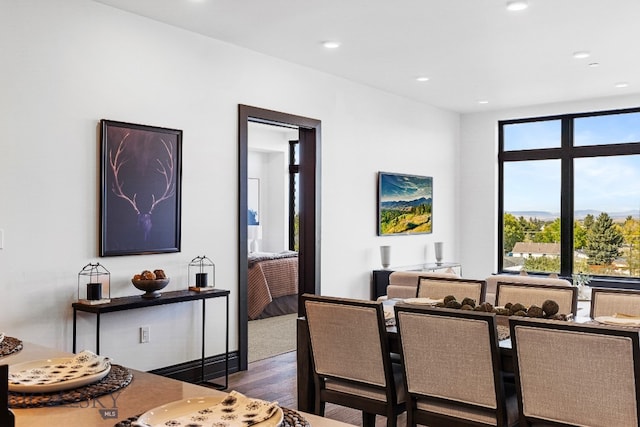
150,287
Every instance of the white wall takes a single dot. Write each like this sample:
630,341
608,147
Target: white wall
478,193
69,63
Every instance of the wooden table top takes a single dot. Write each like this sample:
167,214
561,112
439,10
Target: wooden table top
145,392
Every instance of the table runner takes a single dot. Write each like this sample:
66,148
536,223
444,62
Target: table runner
291,419
119,377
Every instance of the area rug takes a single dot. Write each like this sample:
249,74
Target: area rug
271,336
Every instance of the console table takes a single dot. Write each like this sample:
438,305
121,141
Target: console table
380,279
133,302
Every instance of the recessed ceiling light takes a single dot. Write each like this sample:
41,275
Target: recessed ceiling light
331,44
483,101
517,5
581,54
422,79
622,84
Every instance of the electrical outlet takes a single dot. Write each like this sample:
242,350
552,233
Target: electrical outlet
144,334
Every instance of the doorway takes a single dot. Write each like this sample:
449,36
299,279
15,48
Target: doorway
309,207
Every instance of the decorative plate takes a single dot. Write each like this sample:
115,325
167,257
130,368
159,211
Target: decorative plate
422,301
618,320
44,376
212,410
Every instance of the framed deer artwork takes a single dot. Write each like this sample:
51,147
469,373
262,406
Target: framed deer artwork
140,189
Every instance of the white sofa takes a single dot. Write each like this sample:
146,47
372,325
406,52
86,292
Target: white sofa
492,282
404,284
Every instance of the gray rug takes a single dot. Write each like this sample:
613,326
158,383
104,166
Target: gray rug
272,336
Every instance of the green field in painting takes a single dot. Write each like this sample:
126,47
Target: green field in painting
396,221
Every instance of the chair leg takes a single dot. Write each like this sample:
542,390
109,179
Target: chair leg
392,419
410,421
368,420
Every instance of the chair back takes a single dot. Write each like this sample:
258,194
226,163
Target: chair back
492,282
438,288
576,374
348,340
529,294
607,302
452,365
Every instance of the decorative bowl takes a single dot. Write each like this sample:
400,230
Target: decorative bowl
150,287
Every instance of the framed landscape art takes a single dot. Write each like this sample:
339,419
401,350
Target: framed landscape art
140,204
404,204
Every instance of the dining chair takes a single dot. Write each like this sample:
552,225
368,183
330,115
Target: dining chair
572,374
7,418
530,294
452,368
440,287
607,302
351,360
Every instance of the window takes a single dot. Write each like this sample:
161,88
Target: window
570,195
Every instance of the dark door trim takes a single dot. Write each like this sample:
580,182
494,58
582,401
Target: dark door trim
309,253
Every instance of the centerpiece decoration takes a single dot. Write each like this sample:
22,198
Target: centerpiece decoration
581,281
548,310
151,282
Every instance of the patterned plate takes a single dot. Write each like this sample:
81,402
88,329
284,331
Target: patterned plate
202,410
44,376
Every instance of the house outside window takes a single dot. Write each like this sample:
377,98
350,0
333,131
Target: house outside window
569,195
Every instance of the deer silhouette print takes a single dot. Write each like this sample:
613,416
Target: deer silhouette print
162,166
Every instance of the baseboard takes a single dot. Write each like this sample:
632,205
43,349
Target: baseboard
191,371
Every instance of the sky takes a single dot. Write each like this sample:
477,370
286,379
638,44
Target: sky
608,184
399,187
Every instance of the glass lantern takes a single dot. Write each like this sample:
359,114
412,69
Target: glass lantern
202,274
94,284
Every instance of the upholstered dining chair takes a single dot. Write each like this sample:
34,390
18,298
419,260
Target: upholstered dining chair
607,302
351,359
572,374
452,368
440,287
529,294
7,418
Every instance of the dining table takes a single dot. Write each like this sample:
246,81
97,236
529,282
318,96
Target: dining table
145,392
306,389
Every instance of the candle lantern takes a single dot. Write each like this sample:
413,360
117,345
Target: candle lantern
202,274
94,284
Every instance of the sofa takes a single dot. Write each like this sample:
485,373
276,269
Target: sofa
404,284
492,282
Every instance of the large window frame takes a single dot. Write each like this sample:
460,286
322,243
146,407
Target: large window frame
566,153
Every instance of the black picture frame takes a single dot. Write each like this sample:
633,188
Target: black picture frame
140,189
405,204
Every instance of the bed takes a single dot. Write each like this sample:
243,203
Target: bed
272,284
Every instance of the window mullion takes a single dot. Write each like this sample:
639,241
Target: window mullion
566,199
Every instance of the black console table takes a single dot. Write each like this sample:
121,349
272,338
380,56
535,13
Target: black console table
380,278
133,302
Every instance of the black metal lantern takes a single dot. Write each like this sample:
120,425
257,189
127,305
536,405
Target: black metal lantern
94,284
202,273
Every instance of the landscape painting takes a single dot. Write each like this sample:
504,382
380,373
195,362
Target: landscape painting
404,204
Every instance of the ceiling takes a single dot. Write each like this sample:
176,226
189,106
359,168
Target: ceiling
471,50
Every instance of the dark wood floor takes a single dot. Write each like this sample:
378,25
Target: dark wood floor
275,379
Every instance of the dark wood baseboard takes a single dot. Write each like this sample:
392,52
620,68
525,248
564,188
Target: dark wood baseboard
191,371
